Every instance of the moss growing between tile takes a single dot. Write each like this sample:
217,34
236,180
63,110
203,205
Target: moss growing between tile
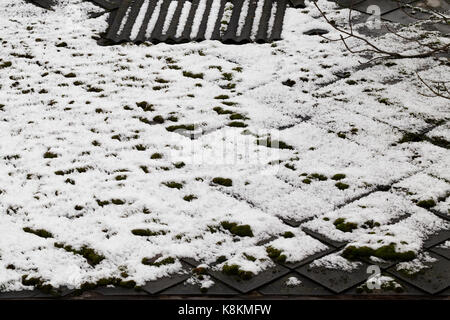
269,143
340,224
189,198
338,176
223,181
50,155
236,124
239,230
173,185
158,263
147,232
222,97
156,155
318,176
147,107
234,270
387,252
39,232
92,257
221,111
288,235
341,185
189,74
426,204
189,127
276,254
179,164
39,284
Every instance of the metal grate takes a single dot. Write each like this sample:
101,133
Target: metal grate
179,21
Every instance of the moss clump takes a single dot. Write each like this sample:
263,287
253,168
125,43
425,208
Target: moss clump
152,262
306,181
144,105
92,257
222,97
340,224
370,224
179,165
39,232
426,204
189,74
276,254
189,197
5,64
147,232
221,111
50,155
243,230
39,284
386,286
318,176
269,143
288,235
351,82
117,202
158,119
387,252
221,259
236,124
173,185
237,116
156,155
338,176
411,137
223,181
189,127
70,75
341,185
289,83
249,257
121,177
234,270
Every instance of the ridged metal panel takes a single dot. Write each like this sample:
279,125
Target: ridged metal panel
199,17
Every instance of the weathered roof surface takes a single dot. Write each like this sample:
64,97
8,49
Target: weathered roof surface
178,21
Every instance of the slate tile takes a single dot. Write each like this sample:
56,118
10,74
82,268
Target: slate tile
119,291
436,238
441,251
158,285
306,287
432,280
184,288
335,279
323,238
407,290
255,282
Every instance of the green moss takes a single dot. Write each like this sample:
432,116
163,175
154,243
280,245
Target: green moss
338,176
341,185
179,165
306,181
239,230
144,105
193,75
288,234
5,64
92,257
226,182
189,127
39,232
273,144
221,259
221,111
237,116
121,177
340,224
276,254
234,270
50,155
387,252
173,185
318,176
351,82
427,204
39,284
189,197
249,257
147,232
229,103
158,119
236,124
370,224
158,263
222,97
117,202
156,155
